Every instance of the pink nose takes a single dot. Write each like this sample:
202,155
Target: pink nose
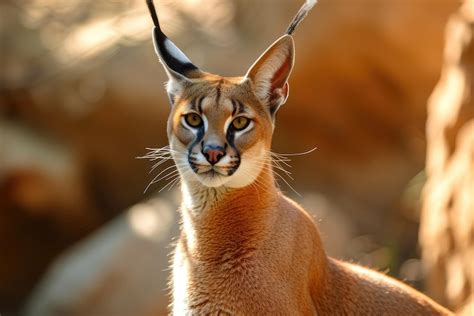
213,153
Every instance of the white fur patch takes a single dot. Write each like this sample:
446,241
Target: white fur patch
180,284
173,86
251,165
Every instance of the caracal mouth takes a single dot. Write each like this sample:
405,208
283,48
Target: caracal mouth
213,176
209,171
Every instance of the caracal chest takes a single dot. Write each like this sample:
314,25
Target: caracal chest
226,288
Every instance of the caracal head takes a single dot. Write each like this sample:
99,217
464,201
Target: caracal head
220,128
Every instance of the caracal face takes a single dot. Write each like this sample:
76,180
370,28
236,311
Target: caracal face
219,132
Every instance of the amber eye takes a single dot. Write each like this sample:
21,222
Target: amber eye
240,123
193,119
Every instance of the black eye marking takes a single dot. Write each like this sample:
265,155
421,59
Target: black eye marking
230,141
191,153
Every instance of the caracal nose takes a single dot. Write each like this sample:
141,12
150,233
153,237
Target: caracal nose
213,153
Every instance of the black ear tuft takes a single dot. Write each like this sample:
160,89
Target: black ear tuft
302,13
171,56
154,16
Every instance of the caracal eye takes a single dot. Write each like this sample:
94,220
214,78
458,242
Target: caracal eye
193,119
240,123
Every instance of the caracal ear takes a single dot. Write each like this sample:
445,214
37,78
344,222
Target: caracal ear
269,74
178,66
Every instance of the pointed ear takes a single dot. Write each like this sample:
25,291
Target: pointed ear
176,63
269,74
178,66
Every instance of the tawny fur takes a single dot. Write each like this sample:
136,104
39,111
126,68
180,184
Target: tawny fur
258,253
253,251
245,248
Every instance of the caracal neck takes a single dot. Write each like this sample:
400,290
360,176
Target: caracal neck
202,201
230,214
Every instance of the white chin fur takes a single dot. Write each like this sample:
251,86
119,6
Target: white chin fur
214,181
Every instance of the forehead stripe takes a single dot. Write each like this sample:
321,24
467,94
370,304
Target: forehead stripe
196,104
234,107
218,92
238,107
199,104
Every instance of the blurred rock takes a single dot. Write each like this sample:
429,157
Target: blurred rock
43,177
447,222
121,270
334,225
44,206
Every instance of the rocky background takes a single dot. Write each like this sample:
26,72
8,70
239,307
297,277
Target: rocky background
447,222
81,96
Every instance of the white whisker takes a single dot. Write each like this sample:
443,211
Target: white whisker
296,154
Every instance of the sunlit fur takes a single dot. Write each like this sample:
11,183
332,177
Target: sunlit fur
245,248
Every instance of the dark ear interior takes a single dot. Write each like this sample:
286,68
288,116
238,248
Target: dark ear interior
171,56
269,74
176,63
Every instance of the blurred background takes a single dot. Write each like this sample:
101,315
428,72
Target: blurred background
382,88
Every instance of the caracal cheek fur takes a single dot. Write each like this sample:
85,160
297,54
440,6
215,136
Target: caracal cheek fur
245,248
252,164
177,131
